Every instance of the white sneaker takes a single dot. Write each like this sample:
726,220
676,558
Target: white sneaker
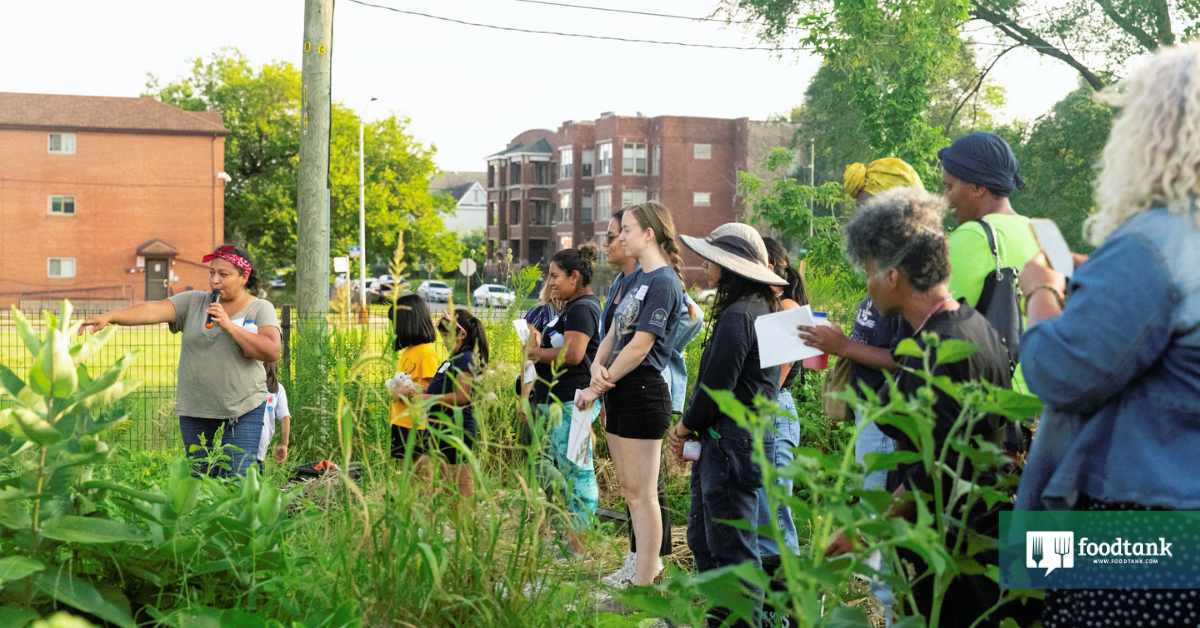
623,574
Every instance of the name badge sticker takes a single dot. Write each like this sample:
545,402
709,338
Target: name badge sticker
641,293
443,367
553,322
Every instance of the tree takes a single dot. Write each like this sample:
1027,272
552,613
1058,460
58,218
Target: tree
1097,38
261,109
1059,155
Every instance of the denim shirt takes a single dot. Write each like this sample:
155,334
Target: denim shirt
676,371
1119,373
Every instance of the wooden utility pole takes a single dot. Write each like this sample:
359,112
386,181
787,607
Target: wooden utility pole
312,198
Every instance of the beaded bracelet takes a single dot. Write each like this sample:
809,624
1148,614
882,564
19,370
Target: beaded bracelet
1062,303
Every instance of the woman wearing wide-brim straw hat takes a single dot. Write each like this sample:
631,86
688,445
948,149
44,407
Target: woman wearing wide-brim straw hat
725,481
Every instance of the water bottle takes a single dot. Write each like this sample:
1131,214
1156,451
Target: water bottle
820,362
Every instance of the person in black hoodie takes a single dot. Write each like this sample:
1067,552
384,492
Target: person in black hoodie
725,481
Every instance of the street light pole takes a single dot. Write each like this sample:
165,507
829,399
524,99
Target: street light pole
362,214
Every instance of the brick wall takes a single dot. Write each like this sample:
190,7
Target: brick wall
128,189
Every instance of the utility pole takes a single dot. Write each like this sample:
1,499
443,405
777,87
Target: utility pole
312,197
812,180
362,214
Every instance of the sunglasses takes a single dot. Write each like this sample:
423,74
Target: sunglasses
609,237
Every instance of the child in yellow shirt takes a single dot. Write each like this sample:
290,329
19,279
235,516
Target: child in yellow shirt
415,338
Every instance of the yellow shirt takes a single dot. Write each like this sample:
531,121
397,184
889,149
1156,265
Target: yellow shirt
421,363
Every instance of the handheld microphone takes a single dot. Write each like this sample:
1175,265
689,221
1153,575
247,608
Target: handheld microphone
212,298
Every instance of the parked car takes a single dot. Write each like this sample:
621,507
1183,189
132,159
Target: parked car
380,290
494,295
707,296
434,291
277,283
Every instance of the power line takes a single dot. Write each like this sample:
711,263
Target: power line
581,35
649,14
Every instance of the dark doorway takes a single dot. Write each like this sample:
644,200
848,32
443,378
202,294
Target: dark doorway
158,274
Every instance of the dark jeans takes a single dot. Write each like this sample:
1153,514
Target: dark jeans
244,433
665,548
725,485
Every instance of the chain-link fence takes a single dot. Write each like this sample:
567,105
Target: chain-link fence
312,347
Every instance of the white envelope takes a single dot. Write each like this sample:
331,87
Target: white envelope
779,340
522,328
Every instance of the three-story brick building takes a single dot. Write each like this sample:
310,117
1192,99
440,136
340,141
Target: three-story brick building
550,190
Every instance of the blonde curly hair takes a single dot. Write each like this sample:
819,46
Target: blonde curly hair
1152,158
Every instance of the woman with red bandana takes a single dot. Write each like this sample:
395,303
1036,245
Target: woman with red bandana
221,381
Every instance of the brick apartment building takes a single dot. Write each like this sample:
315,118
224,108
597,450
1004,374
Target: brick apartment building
550,190
106,201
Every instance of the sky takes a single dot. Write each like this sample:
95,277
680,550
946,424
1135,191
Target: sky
467,90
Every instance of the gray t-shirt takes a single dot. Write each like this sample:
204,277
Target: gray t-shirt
216,380
651,303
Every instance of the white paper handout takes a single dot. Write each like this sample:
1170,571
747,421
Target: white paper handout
778,339
579,440
523,333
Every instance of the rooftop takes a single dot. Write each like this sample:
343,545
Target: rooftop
104,114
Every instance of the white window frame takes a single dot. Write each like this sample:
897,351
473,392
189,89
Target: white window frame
604,165
701,199
564,206
588,159
656,164
564,242
60,260
631,154
702,151
603,211
63,202
630,197
566,168
66,144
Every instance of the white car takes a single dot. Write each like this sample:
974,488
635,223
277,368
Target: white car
494,295
707,296
434,291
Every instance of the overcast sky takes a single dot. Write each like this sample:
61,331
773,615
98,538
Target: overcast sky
468,90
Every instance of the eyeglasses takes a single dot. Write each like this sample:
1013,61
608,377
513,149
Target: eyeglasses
609,237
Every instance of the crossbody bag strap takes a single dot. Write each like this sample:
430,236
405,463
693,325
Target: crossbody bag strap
990,232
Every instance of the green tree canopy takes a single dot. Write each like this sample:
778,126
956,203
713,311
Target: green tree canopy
261,109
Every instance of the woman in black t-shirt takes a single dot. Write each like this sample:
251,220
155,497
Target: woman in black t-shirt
563,356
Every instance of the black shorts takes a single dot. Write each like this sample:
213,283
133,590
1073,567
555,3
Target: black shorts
427,444
639,407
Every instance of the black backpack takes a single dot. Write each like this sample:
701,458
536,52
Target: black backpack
1000,301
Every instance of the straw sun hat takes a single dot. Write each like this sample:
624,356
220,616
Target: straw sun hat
738,248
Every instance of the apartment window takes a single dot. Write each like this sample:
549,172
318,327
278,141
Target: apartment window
514,173
702,151
478,197
543,173
566,169
701,199
632,197
585,208
491,176
602,244
62,143
605,158
654,168
60,267
564,208
589,158
62,205
603,205
564,242
514,213
633,159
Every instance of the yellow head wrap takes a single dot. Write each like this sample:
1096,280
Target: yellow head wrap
879,175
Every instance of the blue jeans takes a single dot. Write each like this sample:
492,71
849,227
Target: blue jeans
872,441
787,438
245,434
725,483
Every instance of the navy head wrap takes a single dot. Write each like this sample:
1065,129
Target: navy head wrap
985,160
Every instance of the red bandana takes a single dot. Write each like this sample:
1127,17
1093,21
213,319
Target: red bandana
226,253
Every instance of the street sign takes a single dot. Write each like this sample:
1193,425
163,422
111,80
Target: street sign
341,264
355,252
467,267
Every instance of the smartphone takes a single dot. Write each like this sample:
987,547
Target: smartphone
691,450
1053,245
